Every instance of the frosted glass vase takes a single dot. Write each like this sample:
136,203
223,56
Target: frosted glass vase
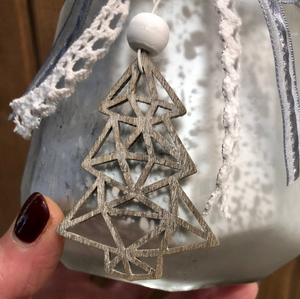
263,232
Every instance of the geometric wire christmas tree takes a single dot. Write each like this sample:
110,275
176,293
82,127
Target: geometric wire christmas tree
134,200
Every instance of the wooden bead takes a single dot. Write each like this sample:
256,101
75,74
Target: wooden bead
148,32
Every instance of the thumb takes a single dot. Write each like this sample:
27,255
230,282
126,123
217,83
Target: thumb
30,249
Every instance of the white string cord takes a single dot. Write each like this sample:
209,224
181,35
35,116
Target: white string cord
140,65
155,3
229,28
42,101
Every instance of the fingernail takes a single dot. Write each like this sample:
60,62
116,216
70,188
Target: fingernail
32,218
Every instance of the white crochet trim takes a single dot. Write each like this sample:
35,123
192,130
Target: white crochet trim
42,101
229,31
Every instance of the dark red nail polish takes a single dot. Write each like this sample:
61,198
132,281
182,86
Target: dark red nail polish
32,218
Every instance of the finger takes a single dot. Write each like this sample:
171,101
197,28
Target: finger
30,249
68,284
125,290
243,291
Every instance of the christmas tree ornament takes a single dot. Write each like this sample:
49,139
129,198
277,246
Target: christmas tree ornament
119,174
161,155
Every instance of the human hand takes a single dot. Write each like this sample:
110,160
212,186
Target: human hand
29,264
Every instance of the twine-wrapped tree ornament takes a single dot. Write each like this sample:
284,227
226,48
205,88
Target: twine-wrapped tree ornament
143,146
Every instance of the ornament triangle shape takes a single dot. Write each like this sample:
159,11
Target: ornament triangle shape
112,192
142,89
110,170
126,83
162,130
183,237
86,163
161,111
132,233
108,145
144,107
123,108
161,152
94,229
138,146
162,198
201,229
187,215
89,205
135,269
151,70
151,261
136,169
120,267
134,205
160,172
154,243
125,130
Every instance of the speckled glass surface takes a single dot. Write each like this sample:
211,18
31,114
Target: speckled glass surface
263,232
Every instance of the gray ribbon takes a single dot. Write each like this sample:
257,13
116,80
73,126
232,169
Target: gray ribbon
296,2
286,81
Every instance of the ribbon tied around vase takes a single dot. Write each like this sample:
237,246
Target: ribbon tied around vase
286,81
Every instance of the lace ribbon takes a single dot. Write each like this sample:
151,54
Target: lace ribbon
60,81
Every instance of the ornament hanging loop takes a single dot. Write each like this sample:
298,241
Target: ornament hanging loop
156,3
139,60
